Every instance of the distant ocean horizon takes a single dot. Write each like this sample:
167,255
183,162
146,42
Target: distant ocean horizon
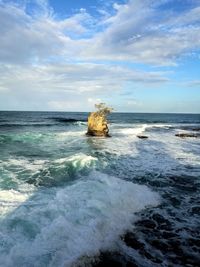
71,200
130,112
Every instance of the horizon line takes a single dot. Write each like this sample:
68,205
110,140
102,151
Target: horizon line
130,112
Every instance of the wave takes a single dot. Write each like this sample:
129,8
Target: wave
43,124
72,222
49,173
190,128
15,125
134,130
141,128
66,135
35,136
68,120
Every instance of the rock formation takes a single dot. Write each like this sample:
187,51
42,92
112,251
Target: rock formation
97,122
183,135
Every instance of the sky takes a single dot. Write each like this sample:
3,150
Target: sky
134,55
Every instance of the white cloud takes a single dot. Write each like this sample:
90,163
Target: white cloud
28,39
194,83
133,103
55,63
139,31
93,101
64,105
54,85
77,78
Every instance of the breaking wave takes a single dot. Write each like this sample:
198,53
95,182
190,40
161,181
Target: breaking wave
66,224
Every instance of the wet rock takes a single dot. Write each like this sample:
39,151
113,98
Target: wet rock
105,261
175,246
196,210
163,224
131,241
174,200
159,219
168,235
131,264
146,223
183,135
194,241
150,256
111,259
142,136
159,245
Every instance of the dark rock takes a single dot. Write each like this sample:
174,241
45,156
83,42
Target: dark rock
158,244
107,262
194,241
131,241
175,246
163,224
159,219
147,223
142,136
183,135
131,264
150,257
196,210
114,259
168,235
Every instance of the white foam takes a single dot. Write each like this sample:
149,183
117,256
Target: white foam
23,164
80,123
160,125
64,135
167,153
133,130
80,157
140,129
12,199
123,141
183,150
74,221
78,161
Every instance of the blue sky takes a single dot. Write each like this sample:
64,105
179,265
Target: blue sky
136,55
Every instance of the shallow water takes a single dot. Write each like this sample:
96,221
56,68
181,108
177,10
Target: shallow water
81,201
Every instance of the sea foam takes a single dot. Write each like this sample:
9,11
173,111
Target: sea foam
66,224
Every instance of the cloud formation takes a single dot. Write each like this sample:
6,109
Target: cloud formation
79,55
139,31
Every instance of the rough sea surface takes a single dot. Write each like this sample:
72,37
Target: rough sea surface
71,200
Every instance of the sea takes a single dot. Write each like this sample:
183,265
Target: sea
67,199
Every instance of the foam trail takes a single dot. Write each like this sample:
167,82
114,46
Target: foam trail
72,222
134,130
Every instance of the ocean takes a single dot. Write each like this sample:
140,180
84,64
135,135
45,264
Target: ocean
67,199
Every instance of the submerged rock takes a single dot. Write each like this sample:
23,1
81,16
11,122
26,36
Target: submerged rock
142,136
97,122
183,135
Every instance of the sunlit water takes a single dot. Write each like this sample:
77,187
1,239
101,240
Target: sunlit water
71,200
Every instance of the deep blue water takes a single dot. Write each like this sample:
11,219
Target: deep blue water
86,201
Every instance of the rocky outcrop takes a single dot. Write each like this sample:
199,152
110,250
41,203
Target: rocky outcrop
97,125
183,135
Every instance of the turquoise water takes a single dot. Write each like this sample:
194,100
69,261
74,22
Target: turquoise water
66,199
